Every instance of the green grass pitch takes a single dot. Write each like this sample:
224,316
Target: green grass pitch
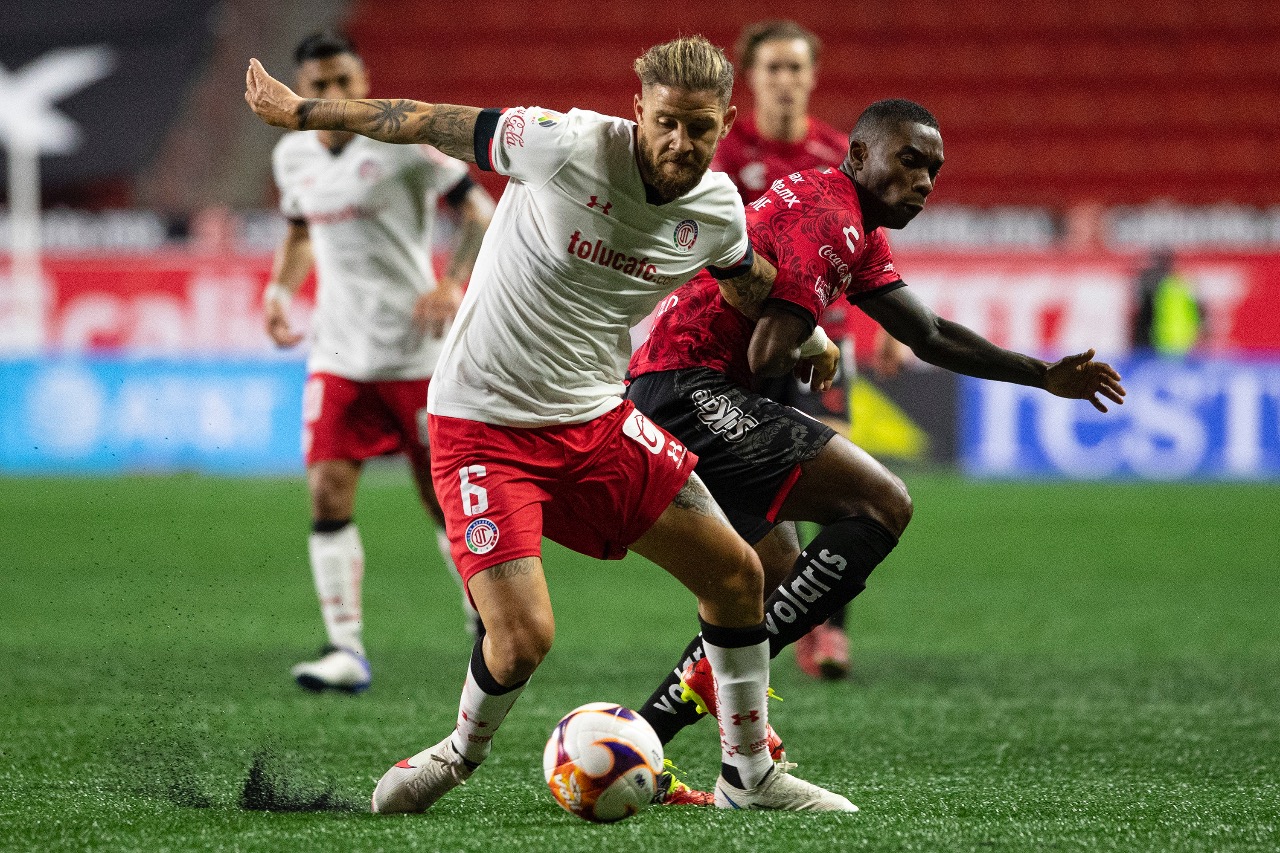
1037,667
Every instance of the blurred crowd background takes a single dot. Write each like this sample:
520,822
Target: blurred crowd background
1104,161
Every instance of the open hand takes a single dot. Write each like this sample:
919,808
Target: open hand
274,102
1079,377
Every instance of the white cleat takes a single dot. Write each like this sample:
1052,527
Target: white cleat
414,785
782,791
336,669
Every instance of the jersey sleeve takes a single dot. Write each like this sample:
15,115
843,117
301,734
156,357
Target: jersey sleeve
737,257
876,273
526,143
281,169
793,245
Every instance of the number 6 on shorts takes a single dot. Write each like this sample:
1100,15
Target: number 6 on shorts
475,499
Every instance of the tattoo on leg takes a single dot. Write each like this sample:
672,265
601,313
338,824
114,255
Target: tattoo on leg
695,497
514,568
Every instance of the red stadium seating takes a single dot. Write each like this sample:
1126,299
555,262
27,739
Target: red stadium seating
1040,102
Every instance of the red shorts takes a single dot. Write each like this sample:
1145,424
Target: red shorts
595,487
346,419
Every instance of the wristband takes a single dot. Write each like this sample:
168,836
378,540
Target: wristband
815,344
277,292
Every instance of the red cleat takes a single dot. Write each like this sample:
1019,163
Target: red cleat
673,792
698,685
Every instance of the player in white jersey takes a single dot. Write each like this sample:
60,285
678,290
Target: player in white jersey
601,219
363,212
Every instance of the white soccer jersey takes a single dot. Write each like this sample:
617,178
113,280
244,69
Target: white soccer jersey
369,210
575,256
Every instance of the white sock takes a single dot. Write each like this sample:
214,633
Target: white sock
481,710
337,565
742,687
473,617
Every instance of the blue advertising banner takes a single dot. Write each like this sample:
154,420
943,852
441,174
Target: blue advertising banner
1195,419
113,415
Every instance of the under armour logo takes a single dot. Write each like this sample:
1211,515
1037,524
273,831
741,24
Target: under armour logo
604,206
750,716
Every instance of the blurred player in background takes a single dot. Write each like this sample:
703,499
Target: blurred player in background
601,219
363,212
780,60
765,462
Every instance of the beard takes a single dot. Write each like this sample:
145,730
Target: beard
670,183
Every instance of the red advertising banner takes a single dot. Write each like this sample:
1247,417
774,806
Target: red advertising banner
1052,303
1037,302
163,303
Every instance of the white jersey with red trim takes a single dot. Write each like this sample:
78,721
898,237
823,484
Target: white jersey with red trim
577,254
370,210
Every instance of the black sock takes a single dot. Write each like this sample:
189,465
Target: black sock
329,525
665,710
830,573
836,620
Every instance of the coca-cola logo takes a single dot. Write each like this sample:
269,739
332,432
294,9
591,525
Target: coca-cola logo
513,134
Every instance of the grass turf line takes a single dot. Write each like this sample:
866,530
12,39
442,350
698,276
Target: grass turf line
1037,667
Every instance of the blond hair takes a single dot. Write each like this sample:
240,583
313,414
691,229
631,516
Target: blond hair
691,63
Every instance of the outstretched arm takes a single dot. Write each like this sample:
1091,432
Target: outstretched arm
449,128
960,349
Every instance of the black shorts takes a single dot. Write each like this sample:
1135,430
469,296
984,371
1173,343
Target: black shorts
749,447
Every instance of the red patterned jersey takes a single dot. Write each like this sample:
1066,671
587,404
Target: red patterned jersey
809,226
753,162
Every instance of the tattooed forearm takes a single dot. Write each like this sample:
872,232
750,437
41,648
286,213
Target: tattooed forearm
452,130
748,292
304,112
389,116
449,128
695,497
514,568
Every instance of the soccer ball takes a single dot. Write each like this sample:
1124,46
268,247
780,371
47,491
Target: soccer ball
602,762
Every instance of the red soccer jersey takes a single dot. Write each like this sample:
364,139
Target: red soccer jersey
753,163
809,225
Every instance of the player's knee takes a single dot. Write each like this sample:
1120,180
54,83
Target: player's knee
896,507
516,651
332,494
742,579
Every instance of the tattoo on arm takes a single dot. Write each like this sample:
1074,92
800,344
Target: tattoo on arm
514,568
304,112
452,130
747,292
695,498
401,121
390,115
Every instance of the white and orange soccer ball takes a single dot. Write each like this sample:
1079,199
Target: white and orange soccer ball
602,762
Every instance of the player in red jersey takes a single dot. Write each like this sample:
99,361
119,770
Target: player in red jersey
780,61
765,462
